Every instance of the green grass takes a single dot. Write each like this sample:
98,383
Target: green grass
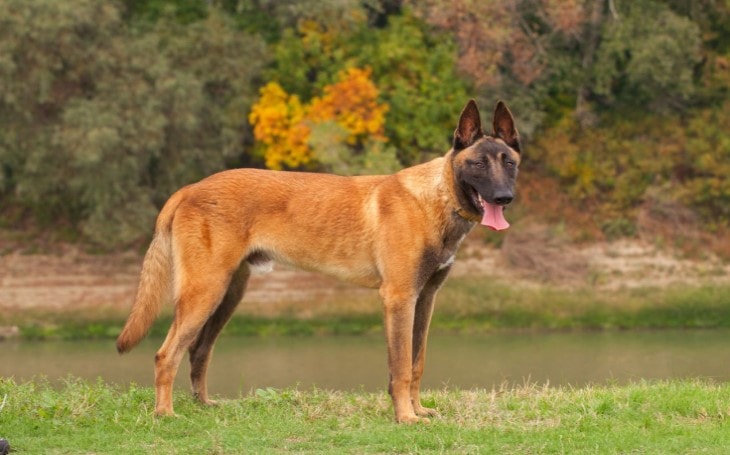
497,305
464,305
644,417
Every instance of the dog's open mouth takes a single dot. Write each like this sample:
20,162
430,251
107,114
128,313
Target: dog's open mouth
492,214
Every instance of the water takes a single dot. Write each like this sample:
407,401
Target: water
241,365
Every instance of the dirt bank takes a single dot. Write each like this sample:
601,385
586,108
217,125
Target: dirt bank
71,279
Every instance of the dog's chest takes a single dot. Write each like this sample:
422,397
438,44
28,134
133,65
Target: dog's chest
439,258
447,263
448,251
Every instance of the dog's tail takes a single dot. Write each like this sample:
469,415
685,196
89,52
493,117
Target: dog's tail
155,282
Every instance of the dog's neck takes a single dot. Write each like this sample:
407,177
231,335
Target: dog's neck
449,179
434,180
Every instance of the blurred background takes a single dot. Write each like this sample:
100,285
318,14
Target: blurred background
623,212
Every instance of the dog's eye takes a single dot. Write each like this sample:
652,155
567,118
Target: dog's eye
479,164
509,164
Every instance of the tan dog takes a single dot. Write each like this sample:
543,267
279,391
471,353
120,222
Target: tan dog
398,233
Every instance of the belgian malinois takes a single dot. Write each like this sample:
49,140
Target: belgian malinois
397,233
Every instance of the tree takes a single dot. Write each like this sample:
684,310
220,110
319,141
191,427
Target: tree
647,57
106,122
412,66
278,121
350,107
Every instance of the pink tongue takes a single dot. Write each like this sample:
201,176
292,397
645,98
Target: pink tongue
494,216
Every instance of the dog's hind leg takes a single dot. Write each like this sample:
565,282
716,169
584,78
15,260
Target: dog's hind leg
201,350
422,320
201,290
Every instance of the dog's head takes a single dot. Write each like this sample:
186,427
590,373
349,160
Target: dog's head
485,165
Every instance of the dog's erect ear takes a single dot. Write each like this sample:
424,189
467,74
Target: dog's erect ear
504,126
470,127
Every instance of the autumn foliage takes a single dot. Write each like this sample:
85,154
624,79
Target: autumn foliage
283,125
278,123
622,105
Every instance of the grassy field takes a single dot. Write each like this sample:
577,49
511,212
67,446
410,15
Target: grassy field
645,417
464,305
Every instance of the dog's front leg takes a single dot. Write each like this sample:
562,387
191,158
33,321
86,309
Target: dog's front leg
421,322
399,315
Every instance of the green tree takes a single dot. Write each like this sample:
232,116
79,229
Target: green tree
106,122
647,57
413,67
50,53
150,11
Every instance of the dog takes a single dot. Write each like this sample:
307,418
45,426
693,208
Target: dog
397,233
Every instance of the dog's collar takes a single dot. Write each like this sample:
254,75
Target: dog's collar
467,216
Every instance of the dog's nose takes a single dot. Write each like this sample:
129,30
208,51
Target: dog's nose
503,198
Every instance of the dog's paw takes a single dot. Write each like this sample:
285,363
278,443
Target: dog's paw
425,412
203,399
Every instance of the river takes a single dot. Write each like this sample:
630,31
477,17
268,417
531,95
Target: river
243,364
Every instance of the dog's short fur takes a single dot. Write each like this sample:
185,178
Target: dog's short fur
398,233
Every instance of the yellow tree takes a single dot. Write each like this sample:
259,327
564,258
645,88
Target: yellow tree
283,125
352,103
277,120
